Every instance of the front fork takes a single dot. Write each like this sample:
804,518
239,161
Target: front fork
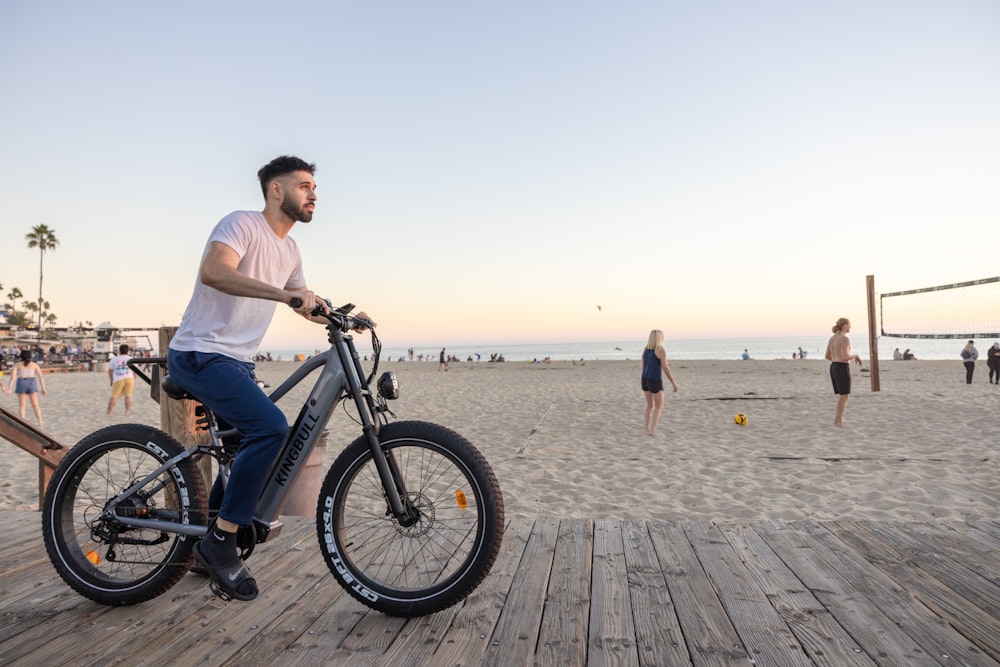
396,496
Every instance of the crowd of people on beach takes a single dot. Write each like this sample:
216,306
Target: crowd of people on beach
55,354
444,358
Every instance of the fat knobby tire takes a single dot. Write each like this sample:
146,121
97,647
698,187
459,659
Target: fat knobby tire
445,449
70,548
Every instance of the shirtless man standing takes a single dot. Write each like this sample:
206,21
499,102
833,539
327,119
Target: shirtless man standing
838,353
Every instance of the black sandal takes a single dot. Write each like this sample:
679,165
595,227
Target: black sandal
227,579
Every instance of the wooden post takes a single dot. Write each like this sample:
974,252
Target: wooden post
872,334
44,477
178,418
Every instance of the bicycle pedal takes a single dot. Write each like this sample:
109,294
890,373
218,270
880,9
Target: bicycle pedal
219,593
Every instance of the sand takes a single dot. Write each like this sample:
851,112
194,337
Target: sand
567,439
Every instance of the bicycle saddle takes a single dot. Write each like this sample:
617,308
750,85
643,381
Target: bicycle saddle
174,390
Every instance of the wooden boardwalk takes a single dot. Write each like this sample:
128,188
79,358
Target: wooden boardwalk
569,592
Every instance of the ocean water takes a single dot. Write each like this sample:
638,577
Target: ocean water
706,348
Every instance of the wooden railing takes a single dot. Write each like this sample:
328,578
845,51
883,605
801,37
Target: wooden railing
36,442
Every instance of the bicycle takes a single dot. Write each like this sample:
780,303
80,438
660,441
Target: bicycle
409,517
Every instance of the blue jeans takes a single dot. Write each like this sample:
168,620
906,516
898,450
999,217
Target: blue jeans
229,389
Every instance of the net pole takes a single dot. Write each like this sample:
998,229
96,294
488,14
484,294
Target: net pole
872,336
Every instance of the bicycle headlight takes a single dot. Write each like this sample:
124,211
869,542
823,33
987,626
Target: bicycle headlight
388,386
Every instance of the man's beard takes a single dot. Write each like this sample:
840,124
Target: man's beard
297,214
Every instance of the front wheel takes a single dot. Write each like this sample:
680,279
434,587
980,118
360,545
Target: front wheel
432,564
101,557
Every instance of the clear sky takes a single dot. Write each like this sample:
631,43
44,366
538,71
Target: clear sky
492,172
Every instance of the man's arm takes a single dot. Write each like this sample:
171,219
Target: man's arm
219,271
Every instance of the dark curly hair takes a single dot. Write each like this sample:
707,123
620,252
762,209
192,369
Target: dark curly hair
279,166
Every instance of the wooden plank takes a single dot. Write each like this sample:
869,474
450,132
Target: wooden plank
36,604
123,629
969,603
228,626
315,592
417,642
991,528
831,571
516,633
766,636
321,639
612,633
469,636
18,527
874,580
658,636
709,634
851,593
958,547
21,552
562,635
824,640
368,640
53,635
981,541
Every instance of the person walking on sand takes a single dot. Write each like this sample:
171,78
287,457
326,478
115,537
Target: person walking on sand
654,364
122,379
26,381
969,356
250,263
442,361
993,362
838,353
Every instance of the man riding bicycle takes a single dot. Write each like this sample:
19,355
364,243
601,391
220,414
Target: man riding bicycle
250,263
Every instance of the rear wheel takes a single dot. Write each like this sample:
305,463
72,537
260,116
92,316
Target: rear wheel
410,570
99,556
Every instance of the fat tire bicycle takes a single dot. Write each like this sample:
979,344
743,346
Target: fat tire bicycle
409,518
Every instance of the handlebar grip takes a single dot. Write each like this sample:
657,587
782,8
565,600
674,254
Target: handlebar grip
296,302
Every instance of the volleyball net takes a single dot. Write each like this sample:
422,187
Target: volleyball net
960,310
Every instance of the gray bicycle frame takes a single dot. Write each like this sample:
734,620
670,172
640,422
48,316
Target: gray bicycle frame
337,380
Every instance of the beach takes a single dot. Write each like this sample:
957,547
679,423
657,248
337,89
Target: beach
567,440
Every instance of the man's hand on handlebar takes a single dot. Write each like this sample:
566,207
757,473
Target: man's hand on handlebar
304,302
362,322
320,310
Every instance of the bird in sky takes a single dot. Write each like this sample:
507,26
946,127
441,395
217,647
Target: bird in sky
598,308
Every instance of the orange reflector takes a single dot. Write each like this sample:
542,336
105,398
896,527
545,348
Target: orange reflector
93,557
460,500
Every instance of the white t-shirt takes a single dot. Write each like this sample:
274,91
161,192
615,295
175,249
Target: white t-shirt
235,325
119,367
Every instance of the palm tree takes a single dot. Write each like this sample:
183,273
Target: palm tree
31,307
14,294
43,238
43,316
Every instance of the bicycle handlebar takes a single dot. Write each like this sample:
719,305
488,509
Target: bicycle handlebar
339,317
